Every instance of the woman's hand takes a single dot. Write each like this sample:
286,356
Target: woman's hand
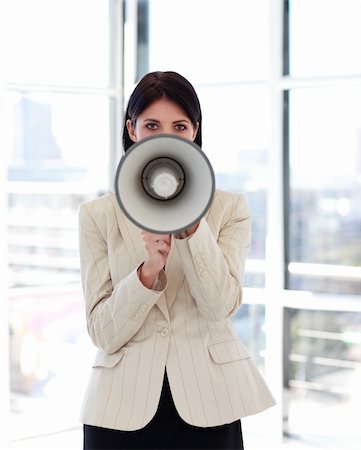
156,248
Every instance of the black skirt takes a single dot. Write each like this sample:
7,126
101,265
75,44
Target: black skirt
167,430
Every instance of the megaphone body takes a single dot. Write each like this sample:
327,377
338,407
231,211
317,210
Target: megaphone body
164,184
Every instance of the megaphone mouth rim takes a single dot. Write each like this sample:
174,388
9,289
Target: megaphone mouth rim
134,148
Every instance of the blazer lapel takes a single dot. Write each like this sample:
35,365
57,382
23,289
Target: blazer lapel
130,233
134,245
175,274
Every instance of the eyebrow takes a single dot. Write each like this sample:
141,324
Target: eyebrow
176,121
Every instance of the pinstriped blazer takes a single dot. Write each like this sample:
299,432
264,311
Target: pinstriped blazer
183,327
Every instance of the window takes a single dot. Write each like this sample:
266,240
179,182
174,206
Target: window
322,220
220,42
46,46
325,158
61,101
325,37
321,373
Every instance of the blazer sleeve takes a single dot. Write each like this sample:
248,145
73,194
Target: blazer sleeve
214,266
114,313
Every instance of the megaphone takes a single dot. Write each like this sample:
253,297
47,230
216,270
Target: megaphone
164,184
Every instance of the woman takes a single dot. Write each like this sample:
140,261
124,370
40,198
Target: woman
170,371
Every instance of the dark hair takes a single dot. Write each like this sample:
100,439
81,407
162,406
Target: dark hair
170,85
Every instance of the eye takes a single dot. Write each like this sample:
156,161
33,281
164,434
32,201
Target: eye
152,126
180,127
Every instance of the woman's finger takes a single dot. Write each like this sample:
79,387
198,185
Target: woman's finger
156,237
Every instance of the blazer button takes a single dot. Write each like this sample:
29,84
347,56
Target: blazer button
164,332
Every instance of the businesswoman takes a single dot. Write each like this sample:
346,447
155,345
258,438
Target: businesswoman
170,371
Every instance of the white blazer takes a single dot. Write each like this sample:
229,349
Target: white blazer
184,327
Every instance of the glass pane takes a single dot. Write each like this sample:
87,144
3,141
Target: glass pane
325,37
59,152
236,126
59,137
210,41
49,356
59,158
325,158
322,378
57,42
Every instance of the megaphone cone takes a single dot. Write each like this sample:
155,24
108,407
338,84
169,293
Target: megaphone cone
164,184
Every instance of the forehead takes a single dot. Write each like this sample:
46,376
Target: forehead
163,108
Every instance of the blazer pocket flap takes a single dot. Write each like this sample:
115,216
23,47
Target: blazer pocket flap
104,360
228,350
